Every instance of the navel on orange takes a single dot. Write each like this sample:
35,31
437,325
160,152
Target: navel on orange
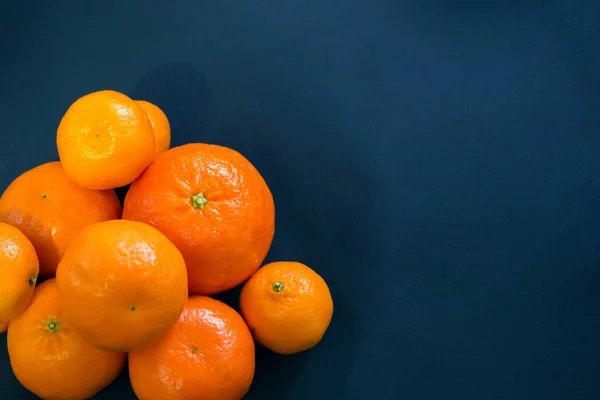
50,359
208,355
105,140
50,210
121,284
287,306
213,205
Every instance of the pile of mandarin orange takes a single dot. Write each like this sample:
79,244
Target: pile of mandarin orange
133,282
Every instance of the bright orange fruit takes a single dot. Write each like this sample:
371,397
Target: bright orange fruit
105,140
121,284
287,306
50,359
19,269
50,210
160,126
208,355
214,206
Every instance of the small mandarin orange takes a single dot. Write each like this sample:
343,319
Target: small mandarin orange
105,140
121,285
287,306
208,355
50,359
19,268
50,210
160,126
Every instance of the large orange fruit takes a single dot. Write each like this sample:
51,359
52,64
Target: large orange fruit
19,268
160,126
50,359
208,355
105,140
214,206
50,210
121,284
287,306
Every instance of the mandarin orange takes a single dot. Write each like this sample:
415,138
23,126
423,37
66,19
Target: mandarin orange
50,359
208,355
50,210
105,140
287,306
19,269
160,126
121,284
214,206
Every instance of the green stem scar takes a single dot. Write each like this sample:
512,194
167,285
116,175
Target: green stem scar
44,196
53,326
194,350
32,280
278,286
199,201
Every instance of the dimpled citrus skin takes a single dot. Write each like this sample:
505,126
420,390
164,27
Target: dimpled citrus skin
121,284
50,210
287,306
50,359
105,140
208,355
160,126
19,269
214,206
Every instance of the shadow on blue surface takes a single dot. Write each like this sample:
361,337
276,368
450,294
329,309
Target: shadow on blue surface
183,93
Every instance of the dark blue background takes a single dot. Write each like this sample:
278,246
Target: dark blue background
437,161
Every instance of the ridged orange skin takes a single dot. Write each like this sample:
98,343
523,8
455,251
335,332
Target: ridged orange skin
160,126
287,306
223,241
105,140
50,210
19,269
208,355
121,285
53,361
